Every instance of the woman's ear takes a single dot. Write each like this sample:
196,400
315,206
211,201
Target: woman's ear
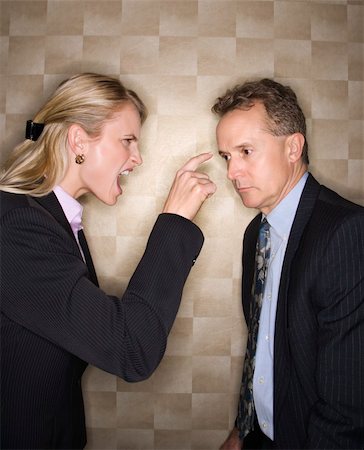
295,143
77,139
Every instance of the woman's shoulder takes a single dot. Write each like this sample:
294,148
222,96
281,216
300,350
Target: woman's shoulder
21,207
10,201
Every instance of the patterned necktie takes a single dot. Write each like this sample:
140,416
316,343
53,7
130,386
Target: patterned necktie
245,420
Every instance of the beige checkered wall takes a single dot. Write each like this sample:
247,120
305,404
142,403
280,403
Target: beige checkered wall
179,55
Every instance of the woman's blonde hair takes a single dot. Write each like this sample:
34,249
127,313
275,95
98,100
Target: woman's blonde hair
86,99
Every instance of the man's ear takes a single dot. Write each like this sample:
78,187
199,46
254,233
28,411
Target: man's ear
77,139
295,144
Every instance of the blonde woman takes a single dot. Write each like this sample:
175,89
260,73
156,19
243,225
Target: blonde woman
54,317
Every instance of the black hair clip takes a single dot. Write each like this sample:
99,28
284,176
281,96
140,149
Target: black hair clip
33,130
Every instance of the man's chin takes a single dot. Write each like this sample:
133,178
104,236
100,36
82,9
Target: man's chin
247,200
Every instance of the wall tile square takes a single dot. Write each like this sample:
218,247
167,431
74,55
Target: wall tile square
98,438
210,411
207,439
292,58
63,54
23,94
211,336
355,22
216,56
329,60
329,23
4,51
26,18
211,374
333,174
14,131
135,410
140,18
180,339
254,58
26,55
101,407
172,440
329,139
102,18
222,208
5,18
177,56
64,18
178,18
177,94
212,297
174,375
292,20
172,412
356,139
356,96
329,100
216,18
135,439
356,180
356,61
101,55
139,54
255,19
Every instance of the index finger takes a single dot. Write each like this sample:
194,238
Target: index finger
193,163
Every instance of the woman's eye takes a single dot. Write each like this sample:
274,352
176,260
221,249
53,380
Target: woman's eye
127,141
247,151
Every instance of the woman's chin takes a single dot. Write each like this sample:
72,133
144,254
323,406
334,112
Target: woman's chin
109,199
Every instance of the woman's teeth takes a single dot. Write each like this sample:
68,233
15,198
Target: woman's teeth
125,172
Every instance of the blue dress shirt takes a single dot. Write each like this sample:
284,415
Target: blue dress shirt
280,220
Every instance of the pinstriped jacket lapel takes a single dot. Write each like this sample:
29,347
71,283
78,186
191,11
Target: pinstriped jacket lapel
51,204
281,348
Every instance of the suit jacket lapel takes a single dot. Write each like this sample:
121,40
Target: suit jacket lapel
281,347
51,204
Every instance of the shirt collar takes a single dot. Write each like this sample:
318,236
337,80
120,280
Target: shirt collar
71,208
282,216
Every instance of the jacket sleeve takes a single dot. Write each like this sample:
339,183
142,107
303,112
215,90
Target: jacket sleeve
45,288
337,419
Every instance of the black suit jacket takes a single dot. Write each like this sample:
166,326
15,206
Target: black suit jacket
55,320
319,330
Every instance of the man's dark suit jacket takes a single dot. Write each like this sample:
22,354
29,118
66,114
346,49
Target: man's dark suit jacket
319,330
55,320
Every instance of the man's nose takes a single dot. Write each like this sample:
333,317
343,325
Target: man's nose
234,169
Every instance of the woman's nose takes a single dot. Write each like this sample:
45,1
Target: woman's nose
137,158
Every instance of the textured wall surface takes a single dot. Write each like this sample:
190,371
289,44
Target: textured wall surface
179,56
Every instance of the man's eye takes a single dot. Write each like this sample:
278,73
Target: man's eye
247,151
225,156
127,141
